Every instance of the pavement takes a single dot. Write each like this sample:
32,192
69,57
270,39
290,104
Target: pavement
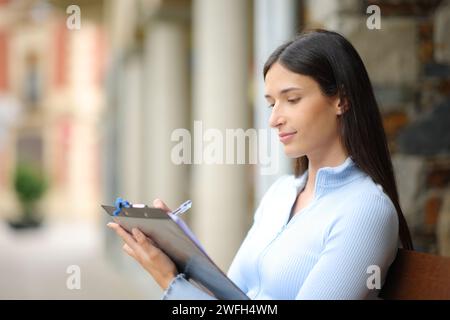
35,264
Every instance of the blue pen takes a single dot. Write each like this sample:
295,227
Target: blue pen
182,208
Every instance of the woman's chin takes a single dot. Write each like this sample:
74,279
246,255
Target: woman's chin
292,154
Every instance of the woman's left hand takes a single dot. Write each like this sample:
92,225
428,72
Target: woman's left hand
150,257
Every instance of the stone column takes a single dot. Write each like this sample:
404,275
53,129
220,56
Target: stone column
275,23
220,192
166,108
122,156
130,130
121,135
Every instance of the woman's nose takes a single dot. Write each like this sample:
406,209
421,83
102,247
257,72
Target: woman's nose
276,118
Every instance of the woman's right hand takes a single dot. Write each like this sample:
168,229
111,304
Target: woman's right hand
145,251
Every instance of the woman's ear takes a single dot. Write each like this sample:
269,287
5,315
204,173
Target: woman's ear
341,102
341,106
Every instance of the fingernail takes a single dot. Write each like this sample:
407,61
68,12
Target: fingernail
135,232
109,224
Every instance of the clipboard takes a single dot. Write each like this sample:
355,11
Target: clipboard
176,240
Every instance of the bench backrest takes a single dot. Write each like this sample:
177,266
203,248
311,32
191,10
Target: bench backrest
417,275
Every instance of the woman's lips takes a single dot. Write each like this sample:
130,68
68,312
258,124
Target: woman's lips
285,137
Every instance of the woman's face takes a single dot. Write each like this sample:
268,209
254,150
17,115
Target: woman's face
302,111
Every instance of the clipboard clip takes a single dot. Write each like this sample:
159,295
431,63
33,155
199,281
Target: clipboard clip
121,203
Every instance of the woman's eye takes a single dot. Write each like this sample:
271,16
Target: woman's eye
270,106
293,101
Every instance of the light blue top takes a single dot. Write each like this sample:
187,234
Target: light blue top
332,249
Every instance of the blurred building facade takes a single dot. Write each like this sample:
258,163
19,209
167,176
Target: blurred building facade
51,80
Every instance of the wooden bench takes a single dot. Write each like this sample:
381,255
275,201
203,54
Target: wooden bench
417,276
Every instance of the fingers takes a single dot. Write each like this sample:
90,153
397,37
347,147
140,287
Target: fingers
145,251
139,236
140,245
158,203
128,238
129,251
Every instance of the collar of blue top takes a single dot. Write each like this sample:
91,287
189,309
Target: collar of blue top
331,177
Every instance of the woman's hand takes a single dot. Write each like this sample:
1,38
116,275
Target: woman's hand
145,251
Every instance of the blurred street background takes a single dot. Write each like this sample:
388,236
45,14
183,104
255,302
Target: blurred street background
92,90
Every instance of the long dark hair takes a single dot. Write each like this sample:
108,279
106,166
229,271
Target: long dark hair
333,62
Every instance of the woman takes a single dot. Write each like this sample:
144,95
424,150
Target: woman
322,232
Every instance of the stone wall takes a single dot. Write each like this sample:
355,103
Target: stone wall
408,61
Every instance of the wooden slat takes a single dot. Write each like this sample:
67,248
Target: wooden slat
416,275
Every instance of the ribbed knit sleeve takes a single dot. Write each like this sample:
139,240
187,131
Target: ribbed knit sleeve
181,289
364,235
